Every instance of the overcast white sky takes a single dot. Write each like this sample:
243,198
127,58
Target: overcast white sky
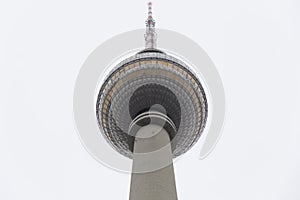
254,44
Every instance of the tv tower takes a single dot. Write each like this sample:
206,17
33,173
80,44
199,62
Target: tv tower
151,108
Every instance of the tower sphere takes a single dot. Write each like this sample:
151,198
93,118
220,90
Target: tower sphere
159,85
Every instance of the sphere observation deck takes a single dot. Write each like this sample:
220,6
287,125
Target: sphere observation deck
151,83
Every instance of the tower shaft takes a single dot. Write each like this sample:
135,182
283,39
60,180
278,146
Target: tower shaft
150,152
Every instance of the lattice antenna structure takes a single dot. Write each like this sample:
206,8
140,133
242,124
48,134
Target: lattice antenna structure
150,35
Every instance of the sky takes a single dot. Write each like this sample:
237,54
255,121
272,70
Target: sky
254,44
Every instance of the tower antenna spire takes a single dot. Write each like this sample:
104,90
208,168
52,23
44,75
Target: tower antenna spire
150,35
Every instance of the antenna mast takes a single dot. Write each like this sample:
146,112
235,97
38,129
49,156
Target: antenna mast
150,35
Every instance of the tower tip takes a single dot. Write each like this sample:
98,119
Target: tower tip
150,10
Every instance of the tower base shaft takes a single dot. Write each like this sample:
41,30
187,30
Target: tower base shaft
152,175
